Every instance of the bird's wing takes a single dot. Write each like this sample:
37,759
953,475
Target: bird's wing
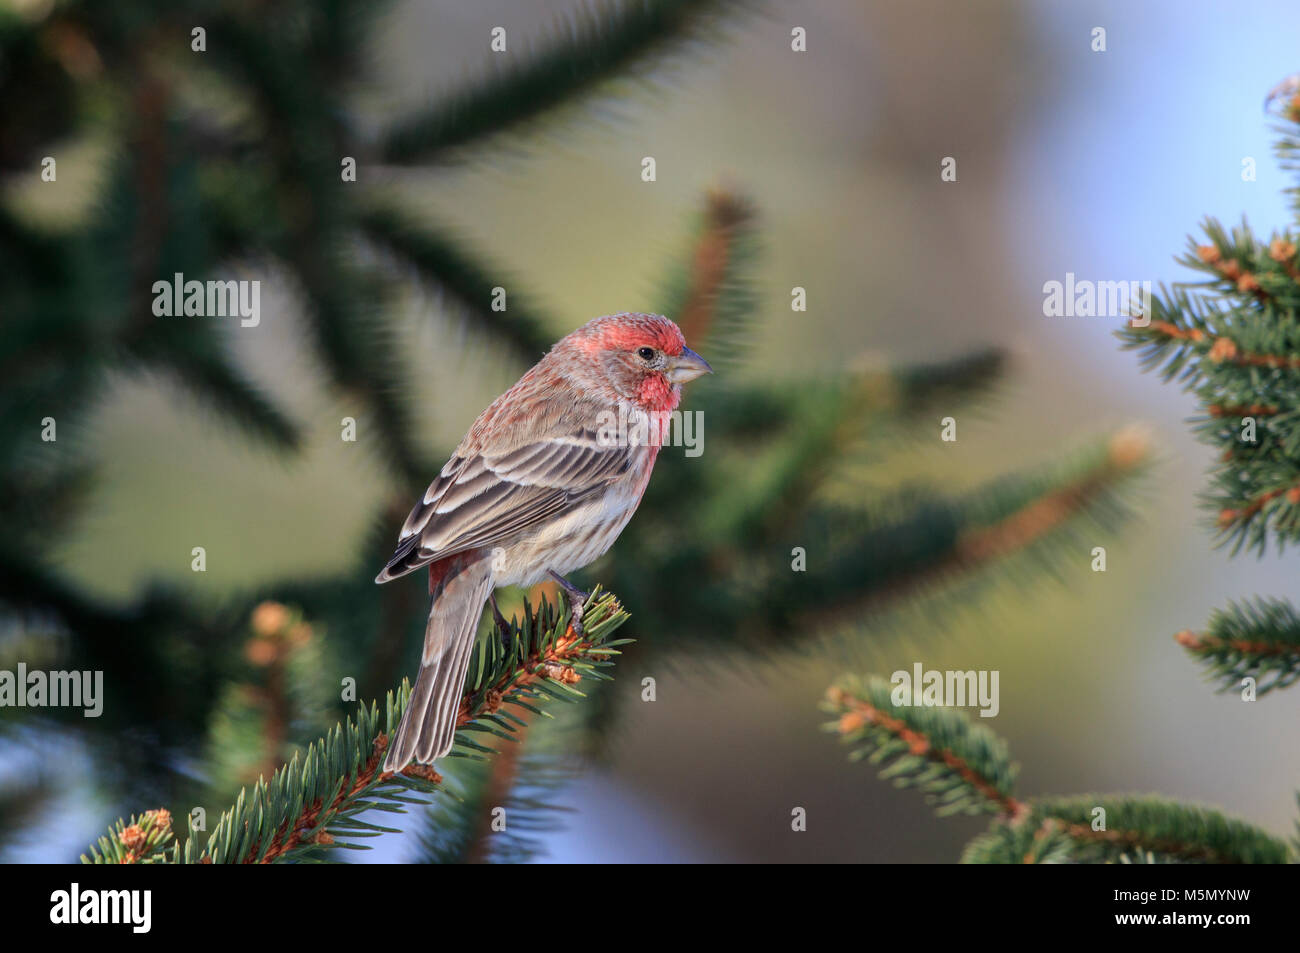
486,496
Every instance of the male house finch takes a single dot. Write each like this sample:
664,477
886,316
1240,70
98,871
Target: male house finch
537,488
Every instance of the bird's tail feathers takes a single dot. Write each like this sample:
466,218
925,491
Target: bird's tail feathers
428,726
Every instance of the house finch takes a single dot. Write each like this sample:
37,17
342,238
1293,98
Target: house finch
538,487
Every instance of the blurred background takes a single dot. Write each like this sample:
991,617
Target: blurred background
824,166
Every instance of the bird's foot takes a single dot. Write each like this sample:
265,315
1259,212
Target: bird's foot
576,598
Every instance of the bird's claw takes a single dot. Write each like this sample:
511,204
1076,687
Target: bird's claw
577,600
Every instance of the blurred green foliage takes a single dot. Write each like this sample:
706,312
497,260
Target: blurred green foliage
229,162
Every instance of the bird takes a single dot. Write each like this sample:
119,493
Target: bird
543,483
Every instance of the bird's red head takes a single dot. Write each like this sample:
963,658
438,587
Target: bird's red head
627,332
642,358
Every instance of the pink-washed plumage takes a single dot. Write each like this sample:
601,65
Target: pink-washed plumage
536,487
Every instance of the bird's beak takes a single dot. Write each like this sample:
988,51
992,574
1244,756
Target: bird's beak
687,366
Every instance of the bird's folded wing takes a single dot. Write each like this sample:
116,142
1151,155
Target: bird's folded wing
489,496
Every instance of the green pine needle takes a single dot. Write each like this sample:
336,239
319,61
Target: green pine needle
1257,639
588,49
312,802
958,764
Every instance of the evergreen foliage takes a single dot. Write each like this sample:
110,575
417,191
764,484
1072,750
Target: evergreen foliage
962,766
1232,341
319,797
231,161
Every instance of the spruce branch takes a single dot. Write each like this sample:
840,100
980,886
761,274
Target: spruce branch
318,799
865,557
583,52
353,334
1287,146
525,782
1234,342
166,628
313,801
448,265
146,839
356,340
1020,844
1220,348
1243,410
1257,639
918,388
287,690
961,766
1171,830
916,545
1243,270
821,426
710,295
501,776
201,367
1124,454
875,397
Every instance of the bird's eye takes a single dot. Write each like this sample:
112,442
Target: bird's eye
645,353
